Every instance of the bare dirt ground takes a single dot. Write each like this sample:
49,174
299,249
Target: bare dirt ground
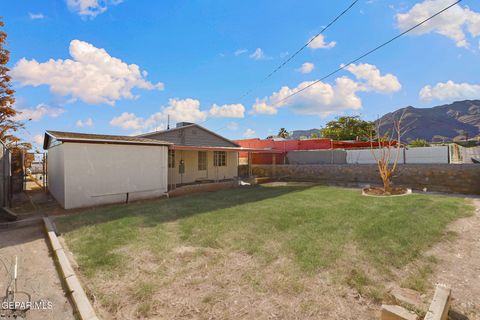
37,274
459,264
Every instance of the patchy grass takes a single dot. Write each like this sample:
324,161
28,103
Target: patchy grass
295,232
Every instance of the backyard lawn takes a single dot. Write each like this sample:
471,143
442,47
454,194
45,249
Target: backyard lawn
265,252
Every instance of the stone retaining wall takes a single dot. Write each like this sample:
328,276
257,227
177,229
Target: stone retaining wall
449,178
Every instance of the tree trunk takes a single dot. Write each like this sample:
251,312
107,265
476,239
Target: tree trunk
387,188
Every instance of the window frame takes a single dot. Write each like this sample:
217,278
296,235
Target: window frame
202,160
171,159
219,158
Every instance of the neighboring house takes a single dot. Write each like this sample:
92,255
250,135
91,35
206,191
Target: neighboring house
197,154
90,169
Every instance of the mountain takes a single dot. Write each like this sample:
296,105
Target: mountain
447,122
298,134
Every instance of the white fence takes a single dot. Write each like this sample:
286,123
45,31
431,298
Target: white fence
411,155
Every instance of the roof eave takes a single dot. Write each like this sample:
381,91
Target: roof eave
108,141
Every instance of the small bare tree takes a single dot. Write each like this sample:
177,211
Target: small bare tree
386,143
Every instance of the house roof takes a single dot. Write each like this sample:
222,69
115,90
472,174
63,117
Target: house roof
184,127
235,149
99,138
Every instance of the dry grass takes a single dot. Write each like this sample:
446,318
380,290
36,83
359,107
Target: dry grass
256,253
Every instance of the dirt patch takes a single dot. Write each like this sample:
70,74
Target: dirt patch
459,264
377,191
37,274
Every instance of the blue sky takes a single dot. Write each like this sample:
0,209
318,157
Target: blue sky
79,65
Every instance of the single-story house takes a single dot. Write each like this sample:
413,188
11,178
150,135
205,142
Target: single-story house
197,154
89,169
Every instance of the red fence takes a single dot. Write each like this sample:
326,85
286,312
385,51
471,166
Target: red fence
293,145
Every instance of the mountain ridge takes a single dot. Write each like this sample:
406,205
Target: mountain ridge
448,122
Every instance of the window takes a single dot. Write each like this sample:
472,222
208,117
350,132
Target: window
202,160
171,158
219,158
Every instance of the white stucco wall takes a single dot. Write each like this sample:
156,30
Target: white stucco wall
366,157
191,167
437,154
56,173
105,173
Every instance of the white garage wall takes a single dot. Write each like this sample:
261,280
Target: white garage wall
56,173
104,173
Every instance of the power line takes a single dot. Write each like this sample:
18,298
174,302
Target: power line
365,54
281,65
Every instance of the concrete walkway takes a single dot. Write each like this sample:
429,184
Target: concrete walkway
37,274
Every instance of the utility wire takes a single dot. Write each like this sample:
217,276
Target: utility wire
281,65
365,54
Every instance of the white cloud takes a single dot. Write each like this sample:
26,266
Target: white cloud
261,107
249,133
227,111
128,121
233,126
38,139
449,91
90,8
258,54
319,43
84,123
239,52
36,16
37,113
374,80
324,99
93,76
453,23
307,67
179,110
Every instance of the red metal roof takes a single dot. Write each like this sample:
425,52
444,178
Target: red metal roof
239,149
309,144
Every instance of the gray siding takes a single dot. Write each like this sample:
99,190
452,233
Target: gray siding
191,136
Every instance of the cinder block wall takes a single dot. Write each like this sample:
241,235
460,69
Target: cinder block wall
449,178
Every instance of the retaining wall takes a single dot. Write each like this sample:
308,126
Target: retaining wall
463,178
